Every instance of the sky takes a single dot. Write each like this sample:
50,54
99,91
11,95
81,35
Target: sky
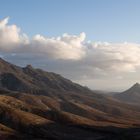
93,42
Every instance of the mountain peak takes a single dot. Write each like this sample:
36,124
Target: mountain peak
29,66
136,85
132,95
135,89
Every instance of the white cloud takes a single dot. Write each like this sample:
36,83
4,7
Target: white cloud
117,57
70,54
10,36
65,47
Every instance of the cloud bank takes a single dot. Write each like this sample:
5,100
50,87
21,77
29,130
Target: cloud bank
70,55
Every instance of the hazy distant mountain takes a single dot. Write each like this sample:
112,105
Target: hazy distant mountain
131,95
35,104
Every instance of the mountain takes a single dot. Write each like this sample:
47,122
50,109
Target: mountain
35,104
132,95
35,81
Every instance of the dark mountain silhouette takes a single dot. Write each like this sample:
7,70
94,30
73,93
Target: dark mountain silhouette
131,95
35,104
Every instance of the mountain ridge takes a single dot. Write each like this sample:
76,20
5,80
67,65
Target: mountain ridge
28,77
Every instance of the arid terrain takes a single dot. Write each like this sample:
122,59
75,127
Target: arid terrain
37,105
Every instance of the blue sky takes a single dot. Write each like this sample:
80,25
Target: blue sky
101,20
113,26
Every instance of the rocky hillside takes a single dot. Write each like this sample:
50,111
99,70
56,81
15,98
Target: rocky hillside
35,104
